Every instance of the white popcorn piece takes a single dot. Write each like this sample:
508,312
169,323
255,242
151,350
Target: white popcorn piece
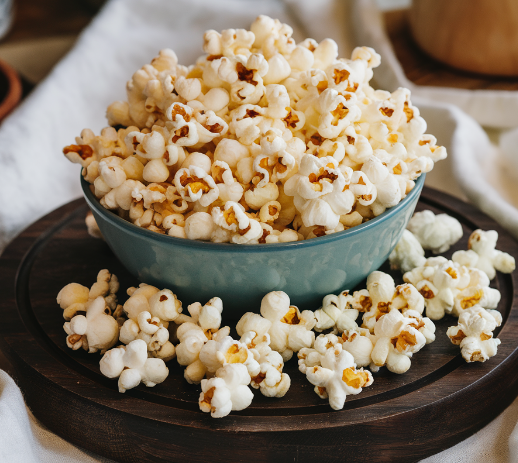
408,253
338,377
381,290
92,227
358,343
162,304
395,340
291,329
435,232
309,357
132,366
482,254
194,184
477,292
227,391
270,379
336,313
152,331
474,333
95,331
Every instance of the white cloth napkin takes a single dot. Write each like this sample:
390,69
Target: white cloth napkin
35,178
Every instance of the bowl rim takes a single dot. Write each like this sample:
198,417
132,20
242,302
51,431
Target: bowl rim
129,227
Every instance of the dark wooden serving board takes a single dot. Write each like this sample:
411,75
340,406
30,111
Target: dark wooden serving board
437,403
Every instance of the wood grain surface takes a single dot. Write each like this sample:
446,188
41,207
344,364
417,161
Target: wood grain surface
422,69
437,403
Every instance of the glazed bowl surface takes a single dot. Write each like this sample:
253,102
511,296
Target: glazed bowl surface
242,274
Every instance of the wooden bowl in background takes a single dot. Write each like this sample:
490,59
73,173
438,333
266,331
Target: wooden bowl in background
478,36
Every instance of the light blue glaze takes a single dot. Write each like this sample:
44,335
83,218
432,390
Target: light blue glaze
242,274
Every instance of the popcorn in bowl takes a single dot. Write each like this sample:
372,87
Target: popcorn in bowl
262,140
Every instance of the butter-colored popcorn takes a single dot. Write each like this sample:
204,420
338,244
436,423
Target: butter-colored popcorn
482,254
132,366
435,232
151,330
74,298
227,391
336,313
408,253
474,333
95,331
291,329
275,111
395,340
338,376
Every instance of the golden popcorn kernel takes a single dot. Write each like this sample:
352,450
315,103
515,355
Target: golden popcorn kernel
230,216
351,89
426,292
418,323
179,111
263,236
181,133
280,167
322,85
291,120
292,316
473,238
392,138
383,308
403,340
450,271
214,57
163,298
387,112
340,75
235,354
214,128
245,75
316,139
217,173
476,356
259,378
485,337
424,142
468,302
397,170
351,140
366,197
366,303
84,151
74,338
272,210
408,112
194,183
244,231
346,338
355,379
319,231
361,181
322,175
207,398
251,113
339,113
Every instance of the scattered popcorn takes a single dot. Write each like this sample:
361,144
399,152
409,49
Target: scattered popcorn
92,227
262,140
227,391
152,331
482,254
161,304
336,313
132,366
95,331
291,329
395,340
359,344
75,298
474,333
449,288
338,376
408,253
435,232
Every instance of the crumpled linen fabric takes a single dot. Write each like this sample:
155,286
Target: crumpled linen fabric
35,178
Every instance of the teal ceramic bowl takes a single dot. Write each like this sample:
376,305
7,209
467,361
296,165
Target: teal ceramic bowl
242,274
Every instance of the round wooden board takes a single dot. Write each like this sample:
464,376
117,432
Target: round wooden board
440,401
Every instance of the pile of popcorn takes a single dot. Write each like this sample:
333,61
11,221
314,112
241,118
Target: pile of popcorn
263,140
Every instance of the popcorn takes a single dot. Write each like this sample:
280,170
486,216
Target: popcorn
474,333
259,119
336,313
132,366
74,298
227,391
482,254
435,232
161,304
338,377
395,340
92,227
291,329
408,253
95,331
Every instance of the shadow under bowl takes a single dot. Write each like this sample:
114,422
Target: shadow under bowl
242,274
